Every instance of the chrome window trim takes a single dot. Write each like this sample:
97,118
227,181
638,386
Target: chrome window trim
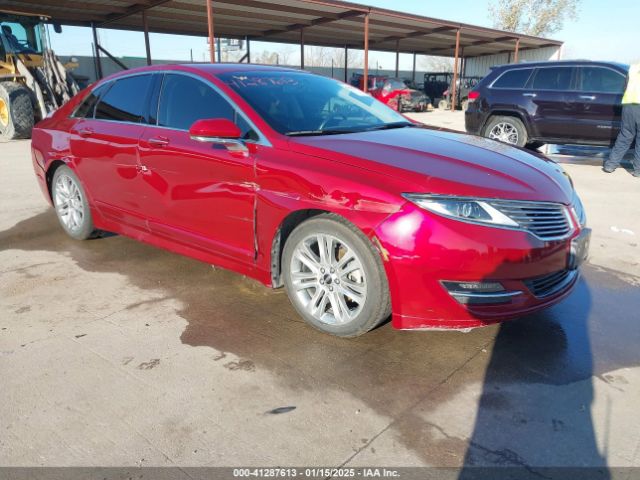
262,139
532,88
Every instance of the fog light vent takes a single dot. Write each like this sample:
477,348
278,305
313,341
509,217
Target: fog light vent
479,293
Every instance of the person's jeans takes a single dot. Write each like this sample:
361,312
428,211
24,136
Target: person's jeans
629,131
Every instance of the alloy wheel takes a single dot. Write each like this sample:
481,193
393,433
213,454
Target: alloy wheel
328,279
504,132
69,203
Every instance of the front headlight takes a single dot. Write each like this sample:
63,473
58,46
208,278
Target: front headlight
578,210
460,208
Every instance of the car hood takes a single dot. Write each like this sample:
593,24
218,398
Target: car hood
446,162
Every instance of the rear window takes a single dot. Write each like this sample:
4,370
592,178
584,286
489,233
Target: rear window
513,78
553,78
126,100
599,79
86,108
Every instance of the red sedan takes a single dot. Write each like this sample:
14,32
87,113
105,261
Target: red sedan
304,182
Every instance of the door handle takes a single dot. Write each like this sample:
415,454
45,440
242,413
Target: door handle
85,132
533,95
588,97
158,141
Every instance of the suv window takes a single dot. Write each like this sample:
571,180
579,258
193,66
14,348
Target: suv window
87,107
513,78
185,99
553,78
126,100
599,79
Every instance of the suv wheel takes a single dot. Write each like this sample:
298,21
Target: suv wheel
507,130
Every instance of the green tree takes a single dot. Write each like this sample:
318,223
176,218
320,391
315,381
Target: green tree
533,17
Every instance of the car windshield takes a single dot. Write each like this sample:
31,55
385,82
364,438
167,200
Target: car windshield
299,103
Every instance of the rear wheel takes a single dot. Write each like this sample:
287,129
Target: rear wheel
16,111
70,202
505,129
443,105
464,105
334,277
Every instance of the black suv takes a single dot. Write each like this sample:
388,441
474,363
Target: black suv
530,104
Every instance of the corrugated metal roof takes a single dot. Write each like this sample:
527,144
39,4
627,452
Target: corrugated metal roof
325,22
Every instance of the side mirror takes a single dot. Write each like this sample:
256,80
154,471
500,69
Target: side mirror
219,131
57,28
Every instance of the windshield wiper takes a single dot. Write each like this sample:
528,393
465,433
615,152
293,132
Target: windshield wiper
388,126
333,131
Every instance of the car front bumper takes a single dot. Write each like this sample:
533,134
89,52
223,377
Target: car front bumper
427,257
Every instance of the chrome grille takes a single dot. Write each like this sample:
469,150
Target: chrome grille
551,284
547,221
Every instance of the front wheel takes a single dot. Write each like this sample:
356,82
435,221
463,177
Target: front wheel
334,277
16,111
70,202
505,129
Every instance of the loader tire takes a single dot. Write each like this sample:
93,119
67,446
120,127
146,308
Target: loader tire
16,111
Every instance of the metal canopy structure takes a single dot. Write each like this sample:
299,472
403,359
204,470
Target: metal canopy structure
329,23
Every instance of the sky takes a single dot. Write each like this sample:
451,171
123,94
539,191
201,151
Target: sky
604,30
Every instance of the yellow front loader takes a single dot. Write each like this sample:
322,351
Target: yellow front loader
33,82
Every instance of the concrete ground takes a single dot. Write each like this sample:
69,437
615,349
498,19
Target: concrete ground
116,353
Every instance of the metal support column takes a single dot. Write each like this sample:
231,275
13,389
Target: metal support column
366,53
346,63
455,72
413,75
516,51
397,58
302,48
248,50
98,64
219,46
212,44
145,26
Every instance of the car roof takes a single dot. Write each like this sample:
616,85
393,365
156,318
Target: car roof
560,63
209,68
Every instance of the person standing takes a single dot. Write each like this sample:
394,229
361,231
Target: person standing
630,128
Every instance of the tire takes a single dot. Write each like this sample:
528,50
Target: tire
315,283
443,105
506,129
69,196
464,105
16,111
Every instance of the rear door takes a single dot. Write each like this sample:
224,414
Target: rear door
550,91
106,149
598,106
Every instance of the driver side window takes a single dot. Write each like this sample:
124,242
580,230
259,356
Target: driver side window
185,99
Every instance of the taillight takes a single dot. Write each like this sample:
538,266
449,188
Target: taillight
473,96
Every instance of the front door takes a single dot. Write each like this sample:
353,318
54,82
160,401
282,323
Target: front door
197,193
550,93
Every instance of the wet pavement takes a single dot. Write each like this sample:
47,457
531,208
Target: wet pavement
118,353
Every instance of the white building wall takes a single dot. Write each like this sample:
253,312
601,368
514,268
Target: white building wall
480,66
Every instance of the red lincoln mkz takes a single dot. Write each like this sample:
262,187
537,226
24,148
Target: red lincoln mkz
304,182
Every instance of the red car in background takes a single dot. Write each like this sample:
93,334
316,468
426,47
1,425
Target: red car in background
301,181
393,92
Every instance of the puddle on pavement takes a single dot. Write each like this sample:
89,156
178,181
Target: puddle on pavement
592,332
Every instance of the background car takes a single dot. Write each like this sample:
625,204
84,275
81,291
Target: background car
465,85
568,102
395,93
301,181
